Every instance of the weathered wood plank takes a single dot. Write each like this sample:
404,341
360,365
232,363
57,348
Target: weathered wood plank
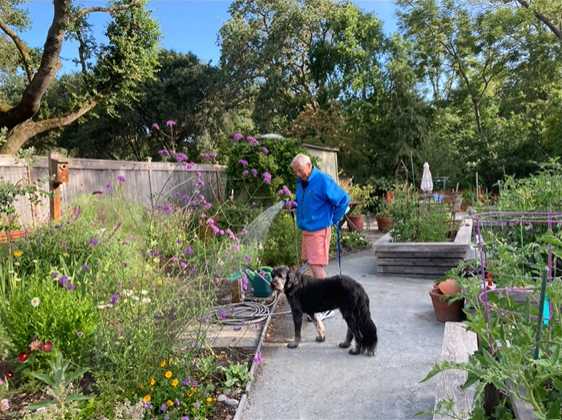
521,409
419,254
438,262
394,269
458,344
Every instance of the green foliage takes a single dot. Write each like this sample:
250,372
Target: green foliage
247,165
237,374
349,241
364,194
418,221
58,382
280,246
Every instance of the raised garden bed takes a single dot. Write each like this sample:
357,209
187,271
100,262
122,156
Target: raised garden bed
422,259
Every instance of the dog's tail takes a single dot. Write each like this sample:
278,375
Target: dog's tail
367,327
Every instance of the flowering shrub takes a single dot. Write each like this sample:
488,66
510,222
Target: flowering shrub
252,163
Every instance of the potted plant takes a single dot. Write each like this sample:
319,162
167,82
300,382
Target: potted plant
383,217
362,198
446,297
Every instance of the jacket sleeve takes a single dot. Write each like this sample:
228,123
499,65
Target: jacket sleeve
339,199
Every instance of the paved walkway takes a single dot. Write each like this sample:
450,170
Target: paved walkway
322,381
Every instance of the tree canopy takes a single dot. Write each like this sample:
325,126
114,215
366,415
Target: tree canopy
108,73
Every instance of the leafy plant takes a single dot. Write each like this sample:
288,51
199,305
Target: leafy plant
58,382
237,374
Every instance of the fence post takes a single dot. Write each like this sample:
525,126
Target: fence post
149,165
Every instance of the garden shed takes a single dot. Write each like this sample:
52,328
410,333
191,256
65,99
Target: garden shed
328,158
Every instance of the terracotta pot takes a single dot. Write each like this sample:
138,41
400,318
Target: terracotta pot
358,220
449,287
384,224
14,236
445,312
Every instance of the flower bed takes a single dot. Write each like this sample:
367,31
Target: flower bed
422,259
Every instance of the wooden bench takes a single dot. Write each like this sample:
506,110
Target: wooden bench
458,344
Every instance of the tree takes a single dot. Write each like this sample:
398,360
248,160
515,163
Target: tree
290,54
108,71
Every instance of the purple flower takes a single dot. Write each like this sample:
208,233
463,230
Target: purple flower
69,287
286,190
248,259
244,173
167,417
63,280
185,197
163,152
252,140
155,126
114,299
266,177
223,314
108,186
188,251
257,357
196,403
186,381
264,150
163,407
170,123
85,267
243,162
94,241
254,172
180,157
97,192
79,334
54,275
121,178
183,265
238,136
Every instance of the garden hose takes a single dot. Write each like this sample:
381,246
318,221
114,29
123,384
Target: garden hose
243,313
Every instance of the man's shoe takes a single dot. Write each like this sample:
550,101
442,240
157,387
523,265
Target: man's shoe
326,315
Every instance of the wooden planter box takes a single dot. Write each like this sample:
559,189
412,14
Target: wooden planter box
14,236
422,259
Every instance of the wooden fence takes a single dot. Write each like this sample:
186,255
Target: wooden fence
149,183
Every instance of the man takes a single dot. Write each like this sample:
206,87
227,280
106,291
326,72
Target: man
321,203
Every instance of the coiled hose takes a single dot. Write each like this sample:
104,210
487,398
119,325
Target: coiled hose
243,313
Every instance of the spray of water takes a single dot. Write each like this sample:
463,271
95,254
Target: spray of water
259,228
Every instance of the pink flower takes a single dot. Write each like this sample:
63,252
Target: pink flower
238,136
22,357
47,346
5,405
35,345
170,123
155,126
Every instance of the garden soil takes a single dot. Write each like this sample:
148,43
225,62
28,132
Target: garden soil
323,381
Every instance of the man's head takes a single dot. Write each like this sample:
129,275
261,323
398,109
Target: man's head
302,167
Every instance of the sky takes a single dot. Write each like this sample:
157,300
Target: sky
187,25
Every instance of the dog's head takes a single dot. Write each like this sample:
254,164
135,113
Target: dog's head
282,278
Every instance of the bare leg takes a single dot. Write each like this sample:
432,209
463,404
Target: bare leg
318,271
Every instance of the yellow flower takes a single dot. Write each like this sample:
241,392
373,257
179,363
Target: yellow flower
170,402
162,364
209,400
146,398
170,361
168,374
175,382
65,255
152,381
193,389
18,254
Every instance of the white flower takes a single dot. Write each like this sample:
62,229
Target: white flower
144,292
35,302
127,292
146,300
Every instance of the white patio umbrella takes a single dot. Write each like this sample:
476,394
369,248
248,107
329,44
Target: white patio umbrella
427,181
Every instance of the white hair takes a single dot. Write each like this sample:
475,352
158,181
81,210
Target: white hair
301,159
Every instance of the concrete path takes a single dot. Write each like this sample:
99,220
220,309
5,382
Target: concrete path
322,381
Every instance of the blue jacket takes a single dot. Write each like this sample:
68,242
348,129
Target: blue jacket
321,203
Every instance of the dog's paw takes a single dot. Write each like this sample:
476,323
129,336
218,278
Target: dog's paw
354,352
293,345
344,345
320,338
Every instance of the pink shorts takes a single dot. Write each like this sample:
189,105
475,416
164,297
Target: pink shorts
316,246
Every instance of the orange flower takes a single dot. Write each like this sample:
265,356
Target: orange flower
146,398
170,402
168,374
162,364
152,381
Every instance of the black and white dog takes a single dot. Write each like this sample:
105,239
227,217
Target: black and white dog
307,295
